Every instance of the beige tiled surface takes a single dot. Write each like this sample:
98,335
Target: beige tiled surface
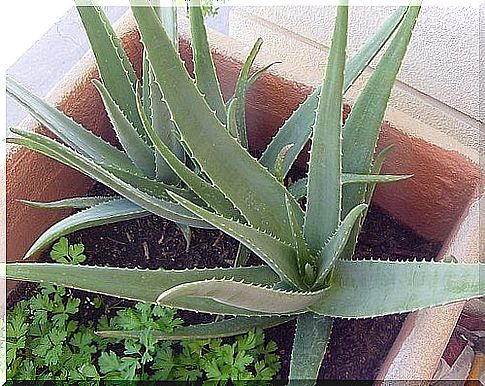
454,113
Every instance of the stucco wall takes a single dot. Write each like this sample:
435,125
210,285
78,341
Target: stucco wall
439,80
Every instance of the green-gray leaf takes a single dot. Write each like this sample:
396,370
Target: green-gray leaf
298,188
361,130
243,295
335,244
324,188
109,212
311,339
208,193
205,73
396,287
114,66
68,203
278,255
242,85
297,129
70,132
222,329
257,194
134,284
55,150
135,146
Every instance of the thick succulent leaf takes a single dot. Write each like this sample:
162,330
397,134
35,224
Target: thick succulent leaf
278,255
55,150
161,121
205,73
231,124
311,339
298,188
242,85
242,256
113,64
369,192
251,297
135,146
361,130
135,284
260,72
257,194
68,203
115,210
376,169
168,18
372,46
297,129
324,187
396,287
154,104
207,192
221,329
302,253
70,132
187,234
335,244
279,167
152,187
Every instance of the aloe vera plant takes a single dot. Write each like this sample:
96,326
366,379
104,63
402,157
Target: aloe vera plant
184,145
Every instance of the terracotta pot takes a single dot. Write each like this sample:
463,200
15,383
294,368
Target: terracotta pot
434,203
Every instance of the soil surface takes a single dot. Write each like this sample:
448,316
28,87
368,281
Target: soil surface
357,347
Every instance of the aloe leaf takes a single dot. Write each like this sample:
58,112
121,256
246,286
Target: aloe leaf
242,256
166,130
153,103
260,72
168,18
205,73
242,85
376,169
55,150
361,130
68,203
324,188
129,283
187,233
257,194
113,64
302,252
311,340
298,189
231,124
135,146
70,132
222,329
251,297
369,192
369,111
278,255
297,129
396,287
279,168
208,193
335,244
109,212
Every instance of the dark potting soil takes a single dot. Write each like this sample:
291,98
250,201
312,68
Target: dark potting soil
357,347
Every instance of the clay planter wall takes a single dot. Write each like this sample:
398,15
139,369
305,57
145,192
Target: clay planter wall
439,203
